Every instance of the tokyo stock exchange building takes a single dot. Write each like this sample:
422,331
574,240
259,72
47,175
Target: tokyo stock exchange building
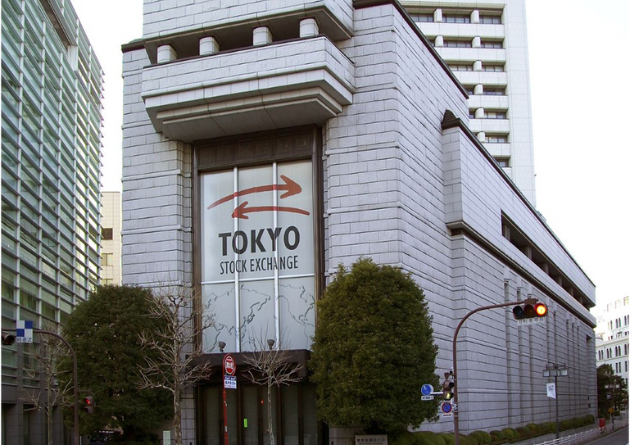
266,142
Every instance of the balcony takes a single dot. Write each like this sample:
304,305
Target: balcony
499,150
489,78
306,81
432,29
489,102
490,125
472,54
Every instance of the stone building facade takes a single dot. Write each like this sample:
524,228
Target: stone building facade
266,142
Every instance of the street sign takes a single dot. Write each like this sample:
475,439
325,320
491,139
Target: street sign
229,382
24,331
447,409
229,365
551,390
426,389
427,398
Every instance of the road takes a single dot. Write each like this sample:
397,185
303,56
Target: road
617,438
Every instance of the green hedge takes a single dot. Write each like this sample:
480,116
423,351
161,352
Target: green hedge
482,437
449,438
509,433
523,432
495,437
533,429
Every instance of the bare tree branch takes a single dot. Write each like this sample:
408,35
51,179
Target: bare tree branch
271,366
176,345
48,353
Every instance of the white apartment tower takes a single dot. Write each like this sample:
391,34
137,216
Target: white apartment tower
485,45
613,327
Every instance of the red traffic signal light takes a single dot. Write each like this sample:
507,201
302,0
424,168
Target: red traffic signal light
7,339
526,311
89,404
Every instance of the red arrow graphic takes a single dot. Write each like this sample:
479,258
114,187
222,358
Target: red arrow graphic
291,187
241,210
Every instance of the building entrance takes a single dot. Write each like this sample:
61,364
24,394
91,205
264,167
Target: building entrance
292,411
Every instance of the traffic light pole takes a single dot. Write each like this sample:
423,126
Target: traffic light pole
74,378
455,376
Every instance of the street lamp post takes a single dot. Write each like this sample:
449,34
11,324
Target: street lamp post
554,370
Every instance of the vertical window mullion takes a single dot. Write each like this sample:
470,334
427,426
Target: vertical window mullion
276,281
237,290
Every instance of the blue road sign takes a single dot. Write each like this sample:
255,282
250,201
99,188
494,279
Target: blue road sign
426,389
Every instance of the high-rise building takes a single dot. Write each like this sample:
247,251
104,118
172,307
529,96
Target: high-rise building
267,142
51,150
485,45
111,222
613,327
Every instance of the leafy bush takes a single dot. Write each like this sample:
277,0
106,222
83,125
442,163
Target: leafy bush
467,440
590,419
402,438
482,437
428,438
509,433
449,438
567,424
523,432
359,382
497,435
533,429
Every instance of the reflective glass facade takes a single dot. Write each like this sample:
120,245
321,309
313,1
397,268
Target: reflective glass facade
51,150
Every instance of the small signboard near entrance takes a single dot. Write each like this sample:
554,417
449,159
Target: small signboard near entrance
229,372
372,439
229,365
229,382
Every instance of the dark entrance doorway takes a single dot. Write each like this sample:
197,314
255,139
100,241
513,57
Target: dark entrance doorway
293,415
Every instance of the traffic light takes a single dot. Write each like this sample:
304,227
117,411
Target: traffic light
530,310
88,401
448,387
7,339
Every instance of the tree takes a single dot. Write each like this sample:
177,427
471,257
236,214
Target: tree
611,390
171,363
271,367
55,385
103,332
373,350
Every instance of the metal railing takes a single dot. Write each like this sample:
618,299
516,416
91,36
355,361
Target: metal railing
588,435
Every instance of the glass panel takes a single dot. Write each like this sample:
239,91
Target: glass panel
250,415
297,223
310,418
297,312
257,313
219,300
255,237
212,402
290,409
216,231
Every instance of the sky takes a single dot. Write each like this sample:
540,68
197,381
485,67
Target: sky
579,65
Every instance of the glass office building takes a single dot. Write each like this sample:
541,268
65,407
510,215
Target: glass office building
51,150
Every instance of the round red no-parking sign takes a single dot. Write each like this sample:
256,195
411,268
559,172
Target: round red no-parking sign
229,365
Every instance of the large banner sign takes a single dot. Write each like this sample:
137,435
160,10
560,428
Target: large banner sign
257,258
